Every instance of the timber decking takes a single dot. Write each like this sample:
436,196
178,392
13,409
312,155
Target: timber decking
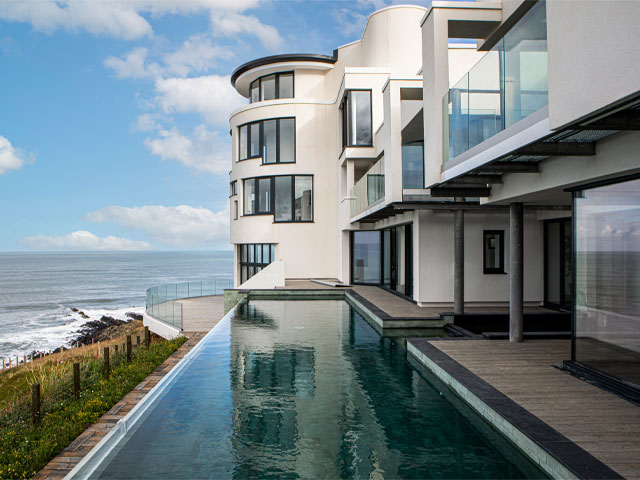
66,460
201,314
603,424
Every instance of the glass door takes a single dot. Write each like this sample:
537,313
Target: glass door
557,263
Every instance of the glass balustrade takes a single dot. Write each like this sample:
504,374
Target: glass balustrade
161,300
506,85
369,189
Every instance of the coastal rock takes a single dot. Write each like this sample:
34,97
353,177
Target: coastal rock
134,316
83,315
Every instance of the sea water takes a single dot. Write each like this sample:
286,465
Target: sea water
39,290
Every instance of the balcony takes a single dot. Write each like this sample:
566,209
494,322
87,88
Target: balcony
508,84
369,190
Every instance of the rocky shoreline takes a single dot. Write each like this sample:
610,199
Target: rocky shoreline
100,330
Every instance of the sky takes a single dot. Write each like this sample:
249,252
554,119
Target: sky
114,114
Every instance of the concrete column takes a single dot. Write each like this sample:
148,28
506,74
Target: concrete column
458,262
516,272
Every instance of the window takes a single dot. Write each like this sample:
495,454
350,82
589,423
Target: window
233,188
254,257
274,140
493,251
413,165
235,209
356,119
271,87
288,197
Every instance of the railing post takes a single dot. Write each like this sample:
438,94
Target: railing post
106,362
128,348
76,381
35,403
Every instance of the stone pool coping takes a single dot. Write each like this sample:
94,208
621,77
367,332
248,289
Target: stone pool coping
555,454
63,463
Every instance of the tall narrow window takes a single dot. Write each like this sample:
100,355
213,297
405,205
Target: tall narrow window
303,201
254,150
244,141
235,209
249,197
493,251
255,91
356,119
283,205
285,87
264,195
413,165
287,140
269,149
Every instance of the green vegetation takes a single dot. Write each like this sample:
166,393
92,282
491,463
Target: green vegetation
25,449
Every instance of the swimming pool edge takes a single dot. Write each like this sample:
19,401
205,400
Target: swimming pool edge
90,462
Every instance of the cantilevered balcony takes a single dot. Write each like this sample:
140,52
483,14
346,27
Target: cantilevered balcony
369,190
508,84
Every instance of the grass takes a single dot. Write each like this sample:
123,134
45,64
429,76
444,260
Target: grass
25,449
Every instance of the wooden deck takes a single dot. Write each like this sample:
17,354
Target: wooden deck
603,424
200,314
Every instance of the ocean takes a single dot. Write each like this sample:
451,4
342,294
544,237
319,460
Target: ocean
39,290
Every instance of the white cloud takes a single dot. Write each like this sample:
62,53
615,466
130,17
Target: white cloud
226,24
12,158
182,226
83,240
212,96
196,54
204,151
117,18
133,65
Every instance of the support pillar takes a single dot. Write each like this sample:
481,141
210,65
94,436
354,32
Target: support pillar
458,261
516,272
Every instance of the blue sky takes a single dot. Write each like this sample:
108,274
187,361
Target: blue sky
114,113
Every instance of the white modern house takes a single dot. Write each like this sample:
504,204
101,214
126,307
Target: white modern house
472,154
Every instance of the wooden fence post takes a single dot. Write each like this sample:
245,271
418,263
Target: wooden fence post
128,348
138,341
147,338
35,403
76,380
106,362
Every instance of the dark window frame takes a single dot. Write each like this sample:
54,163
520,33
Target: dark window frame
345,120
277,87
272,200
261,141
245,262
490,270
233,186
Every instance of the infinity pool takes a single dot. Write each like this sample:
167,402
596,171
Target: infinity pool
307,389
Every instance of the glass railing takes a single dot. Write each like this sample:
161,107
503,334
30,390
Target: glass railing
161,300
506,85
369,189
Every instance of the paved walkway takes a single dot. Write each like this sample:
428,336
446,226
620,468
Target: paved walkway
66,460
200,314
600,422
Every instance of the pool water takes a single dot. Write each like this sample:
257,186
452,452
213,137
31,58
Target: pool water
308,389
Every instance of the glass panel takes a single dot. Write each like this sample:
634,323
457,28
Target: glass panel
386,257
287,140
268,87
413,165
244,138
249,197
360,110
265,253
552,271
283,199
525,65
607,254
258,253
375,187
255,139
269,148
484,113
286,85
273,252
568,265
252,271
244,274
366,257
255,91
303,200
251,252
458,102
264,192
245,258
